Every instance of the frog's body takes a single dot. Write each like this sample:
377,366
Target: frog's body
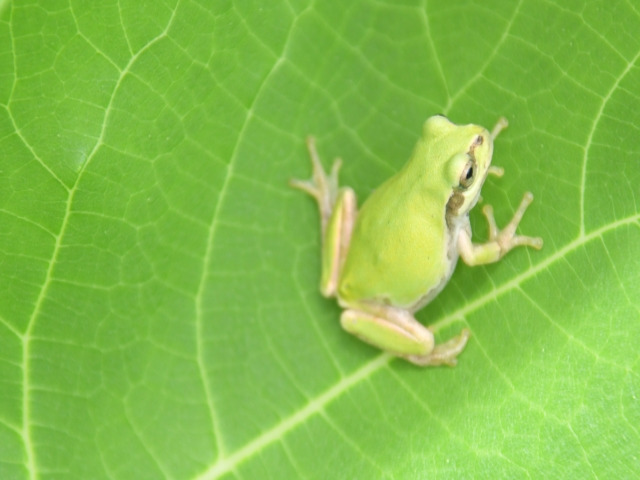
397,253
378,273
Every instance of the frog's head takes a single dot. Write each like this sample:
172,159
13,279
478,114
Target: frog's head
464,157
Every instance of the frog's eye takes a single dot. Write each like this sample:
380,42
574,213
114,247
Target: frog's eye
468,174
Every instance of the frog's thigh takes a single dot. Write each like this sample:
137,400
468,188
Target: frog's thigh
392,330
336,240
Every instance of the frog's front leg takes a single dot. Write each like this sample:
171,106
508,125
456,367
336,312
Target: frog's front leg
500,241
396,331
337,208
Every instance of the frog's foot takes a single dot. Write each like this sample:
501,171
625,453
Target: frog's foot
500,241
396,331
443,354
506,238
500,125
496,171
321,186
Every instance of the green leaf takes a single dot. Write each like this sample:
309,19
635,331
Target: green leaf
159,309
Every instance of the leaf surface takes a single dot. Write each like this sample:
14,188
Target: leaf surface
159,310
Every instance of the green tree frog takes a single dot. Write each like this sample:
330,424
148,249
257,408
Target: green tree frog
391,258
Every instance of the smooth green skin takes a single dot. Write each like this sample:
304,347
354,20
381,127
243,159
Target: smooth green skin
390,259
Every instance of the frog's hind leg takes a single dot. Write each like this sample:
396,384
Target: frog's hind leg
396,331
337,208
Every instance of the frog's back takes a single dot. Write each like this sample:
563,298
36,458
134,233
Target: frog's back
398,253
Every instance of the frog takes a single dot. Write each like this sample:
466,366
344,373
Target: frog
392,256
